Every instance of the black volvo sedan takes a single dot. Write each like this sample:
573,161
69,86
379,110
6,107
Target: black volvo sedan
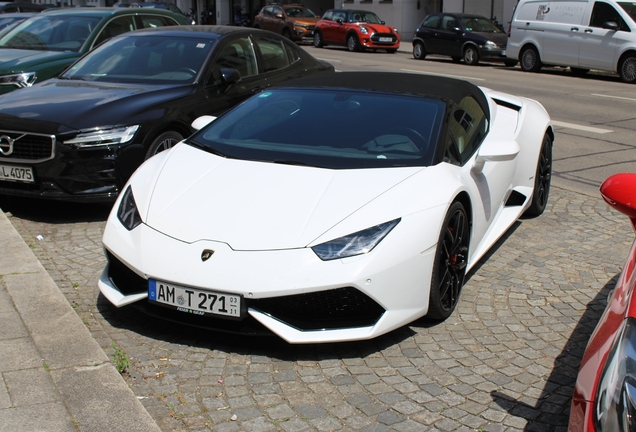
80,136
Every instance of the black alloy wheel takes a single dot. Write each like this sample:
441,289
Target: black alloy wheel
163,142
449,267
318,39
542,179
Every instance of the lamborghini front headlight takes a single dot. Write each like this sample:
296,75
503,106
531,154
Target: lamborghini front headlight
358,243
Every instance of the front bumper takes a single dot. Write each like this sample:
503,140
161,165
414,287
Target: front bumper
94,174
493,54
376,40
292,293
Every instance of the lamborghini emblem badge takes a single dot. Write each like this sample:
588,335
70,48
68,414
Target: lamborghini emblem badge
206,254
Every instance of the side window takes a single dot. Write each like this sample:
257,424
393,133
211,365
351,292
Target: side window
328,15
449,23
603,13
431,22
273,53
268,11
466,130
116,27
292,53
340,15
153,21
237,54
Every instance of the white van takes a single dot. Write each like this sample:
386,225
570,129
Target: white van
581,34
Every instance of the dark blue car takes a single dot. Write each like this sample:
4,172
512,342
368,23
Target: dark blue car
472,38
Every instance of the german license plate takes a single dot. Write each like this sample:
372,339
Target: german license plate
503,53
386,39
18,174
193,300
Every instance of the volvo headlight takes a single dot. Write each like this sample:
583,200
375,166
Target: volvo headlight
616,397
127,212
357,243
20,80
104,137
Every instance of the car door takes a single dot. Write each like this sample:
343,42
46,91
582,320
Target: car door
467,131
427,32
448,37
234,53
599,44
277,58
337,31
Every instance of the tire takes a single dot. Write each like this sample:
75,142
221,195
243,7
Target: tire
419,52
471,55
542,179
627,68
287,33
449,265
163,142
578,71
529,59
352,43
511,63
318,39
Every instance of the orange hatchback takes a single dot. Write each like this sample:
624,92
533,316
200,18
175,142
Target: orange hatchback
356,29
295,22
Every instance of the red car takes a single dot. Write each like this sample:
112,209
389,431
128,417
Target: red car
605,393
356,29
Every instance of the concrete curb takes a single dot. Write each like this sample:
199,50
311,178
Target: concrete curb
55,376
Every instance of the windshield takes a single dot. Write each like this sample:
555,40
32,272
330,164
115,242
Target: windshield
480,25
296,12
143,60
328,128
363,16
630,8
51,33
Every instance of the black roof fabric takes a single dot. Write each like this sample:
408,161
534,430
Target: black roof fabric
436,87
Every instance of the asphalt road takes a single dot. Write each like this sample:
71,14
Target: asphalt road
506,360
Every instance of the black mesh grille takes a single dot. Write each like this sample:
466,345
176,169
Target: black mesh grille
27,147
338,308
376,37
127,281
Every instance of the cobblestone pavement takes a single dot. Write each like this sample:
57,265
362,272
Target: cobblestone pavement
506,360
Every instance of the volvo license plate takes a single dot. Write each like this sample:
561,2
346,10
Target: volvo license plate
193,300
18,174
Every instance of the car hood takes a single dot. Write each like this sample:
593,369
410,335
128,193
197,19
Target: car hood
60,106
18,60
378,28
500,39
256,205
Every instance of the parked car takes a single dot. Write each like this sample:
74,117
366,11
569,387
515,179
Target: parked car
158,5
605,388
351,226
43,46
295,22
356,29
473,38
81,135
583,35
13,7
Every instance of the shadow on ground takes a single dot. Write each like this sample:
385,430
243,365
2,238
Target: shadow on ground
54,212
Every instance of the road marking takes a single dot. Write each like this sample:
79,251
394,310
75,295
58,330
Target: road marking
581,127
443,75
614,97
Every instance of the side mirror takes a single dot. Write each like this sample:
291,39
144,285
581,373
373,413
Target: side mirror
495,151
339,21
619,191
279,16
229,77
382,22
201,122
610,25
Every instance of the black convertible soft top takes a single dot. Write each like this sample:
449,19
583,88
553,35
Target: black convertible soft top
436,87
